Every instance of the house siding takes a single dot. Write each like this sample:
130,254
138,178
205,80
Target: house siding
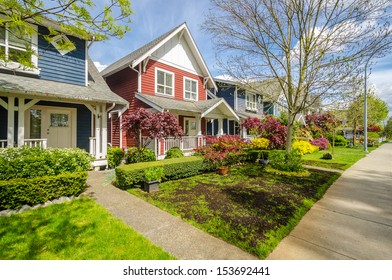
148,80
227,93
69,68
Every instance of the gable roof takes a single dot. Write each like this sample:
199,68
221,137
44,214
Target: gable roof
97,89
137,56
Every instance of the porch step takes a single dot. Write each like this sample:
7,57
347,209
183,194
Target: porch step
99,164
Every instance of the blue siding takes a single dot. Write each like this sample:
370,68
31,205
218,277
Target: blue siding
68,68
268,108
83,116
227,93
241,103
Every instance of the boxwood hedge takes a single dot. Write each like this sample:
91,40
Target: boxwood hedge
130,175
15,193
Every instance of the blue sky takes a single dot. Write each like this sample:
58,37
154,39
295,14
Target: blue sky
155,17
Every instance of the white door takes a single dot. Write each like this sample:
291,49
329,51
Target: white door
58,128
190,126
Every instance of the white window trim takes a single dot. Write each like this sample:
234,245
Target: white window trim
54,42
34,58
156,81
252,105
197,89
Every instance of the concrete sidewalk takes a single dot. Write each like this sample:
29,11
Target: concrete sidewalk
171,233
354,218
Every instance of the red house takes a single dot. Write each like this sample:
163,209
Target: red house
167,74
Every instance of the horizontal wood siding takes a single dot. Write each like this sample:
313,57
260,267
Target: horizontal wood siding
69,68
226,92
148,80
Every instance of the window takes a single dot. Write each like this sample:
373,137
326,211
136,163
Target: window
251,102
62,44
59,120
164,82
35,124
190,89
13,43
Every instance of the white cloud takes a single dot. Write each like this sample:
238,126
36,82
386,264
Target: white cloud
383,83
100,66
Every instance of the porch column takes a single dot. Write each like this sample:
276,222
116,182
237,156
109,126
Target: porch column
220,127
104,131
11,121
98,132
21,121
198,126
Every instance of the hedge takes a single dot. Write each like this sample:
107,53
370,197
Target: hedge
15,193
130,175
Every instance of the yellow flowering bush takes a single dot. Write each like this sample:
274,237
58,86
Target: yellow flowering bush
304,147
260,143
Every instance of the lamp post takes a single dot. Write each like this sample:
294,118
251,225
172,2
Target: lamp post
365,146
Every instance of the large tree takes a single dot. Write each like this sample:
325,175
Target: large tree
311,48
87,19
388,128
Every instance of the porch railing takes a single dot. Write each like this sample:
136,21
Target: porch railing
3,143
42,143
185,143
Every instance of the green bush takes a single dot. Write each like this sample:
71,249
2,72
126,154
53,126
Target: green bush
115,156
154,174
373,139
327,156
291,162
15,193
128,176
25,162
254,155
174,152
145,156
339,140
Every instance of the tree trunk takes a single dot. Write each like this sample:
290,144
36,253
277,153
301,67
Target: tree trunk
289,141
139,147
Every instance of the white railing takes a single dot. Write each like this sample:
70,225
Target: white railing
42,143
92,145
3,143
185,143
151,144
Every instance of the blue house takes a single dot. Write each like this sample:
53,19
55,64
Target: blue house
61,102
246,103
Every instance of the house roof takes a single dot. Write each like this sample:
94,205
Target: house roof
244,115
96,91
137,56
204,107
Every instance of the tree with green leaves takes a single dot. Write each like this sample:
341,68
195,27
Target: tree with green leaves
312,48
388,128
85,19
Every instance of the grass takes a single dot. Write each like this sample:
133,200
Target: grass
77,230
249,208
343,158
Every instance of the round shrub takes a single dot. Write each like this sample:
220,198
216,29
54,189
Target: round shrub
291,162
304,147
174,152
327,156
260,143
339,140
146,155
115,156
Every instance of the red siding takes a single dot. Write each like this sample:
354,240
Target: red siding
148,80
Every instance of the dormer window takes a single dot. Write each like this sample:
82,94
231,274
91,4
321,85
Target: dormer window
17,49
62,44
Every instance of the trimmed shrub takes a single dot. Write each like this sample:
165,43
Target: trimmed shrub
340,141
128,176
327,156
26,162
304,147
115,156
174,152
15,193
260,143
146,155
322,143
291,162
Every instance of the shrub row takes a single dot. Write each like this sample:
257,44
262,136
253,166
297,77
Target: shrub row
15,193
25,162
176,168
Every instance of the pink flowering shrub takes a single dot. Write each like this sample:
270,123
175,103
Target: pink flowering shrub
322,143
224,150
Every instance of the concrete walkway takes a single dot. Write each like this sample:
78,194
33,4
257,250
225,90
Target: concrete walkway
171,233
354,218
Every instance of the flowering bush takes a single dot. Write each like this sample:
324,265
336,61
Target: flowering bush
225,150
322,143
304,147
260,143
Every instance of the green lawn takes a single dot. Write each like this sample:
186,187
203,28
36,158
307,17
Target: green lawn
249,208
343,157
76,230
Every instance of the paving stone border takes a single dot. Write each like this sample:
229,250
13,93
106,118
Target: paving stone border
25,208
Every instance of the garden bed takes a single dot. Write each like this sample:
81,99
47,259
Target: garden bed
249,208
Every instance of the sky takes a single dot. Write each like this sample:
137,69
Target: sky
153,18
